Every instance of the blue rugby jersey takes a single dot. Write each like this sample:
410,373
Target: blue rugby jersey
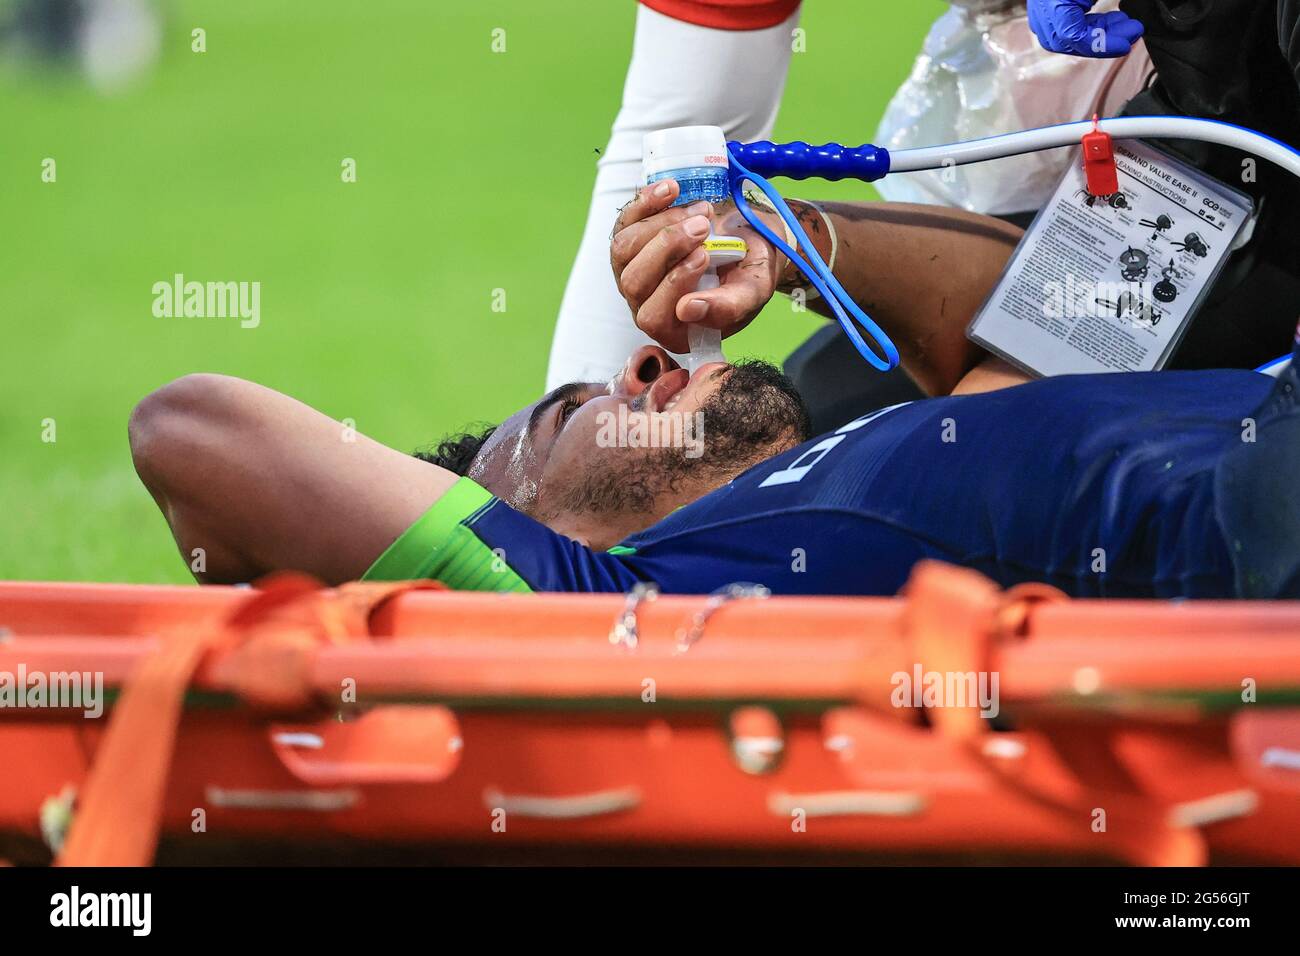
1098,484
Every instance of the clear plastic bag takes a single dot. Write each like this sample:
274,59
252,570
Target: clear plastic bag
981,72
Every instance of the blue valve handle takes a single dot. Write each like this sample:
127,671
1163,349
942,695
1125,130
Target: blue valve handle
798,160
814,268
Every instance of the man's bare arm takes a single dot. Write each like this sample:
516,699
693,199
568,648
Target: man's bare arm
920,272
261,482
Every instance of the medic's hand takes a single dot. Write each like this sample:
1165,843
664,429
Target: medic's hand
658,259
1065,26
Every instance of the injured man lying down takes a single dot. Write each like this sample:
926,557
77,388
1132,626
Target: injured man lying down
1159,484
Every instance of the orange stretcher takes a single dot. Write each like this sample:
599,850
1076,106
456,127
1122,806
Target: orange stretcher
1127,731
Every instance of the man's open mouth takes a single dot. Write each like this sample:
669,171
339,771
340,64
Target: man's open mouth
667,389
670,387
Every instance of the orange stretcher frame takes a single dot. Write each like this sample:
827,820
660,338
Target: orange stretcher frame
1141,732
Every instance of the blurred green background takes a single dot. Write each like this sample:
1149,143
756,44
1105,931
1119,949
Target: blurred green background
473,173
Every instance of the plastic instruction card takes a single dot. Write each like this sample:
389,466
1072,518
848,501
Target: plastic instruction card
1110,283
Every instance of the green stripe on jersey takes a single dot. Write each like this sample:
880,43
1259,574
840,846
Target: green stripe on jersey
441,545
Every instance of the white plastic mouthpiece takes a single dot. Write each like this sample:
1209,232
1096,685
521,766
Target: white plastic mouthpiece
706,346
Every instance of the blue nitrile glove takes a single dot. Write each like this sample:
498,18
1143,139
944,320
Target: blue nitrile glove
1065,26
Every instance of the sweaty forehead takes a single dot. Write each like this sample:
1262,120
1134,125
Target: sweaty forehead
506,465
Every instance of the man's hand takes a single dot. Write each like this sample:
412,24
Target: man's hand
658,258
1065,26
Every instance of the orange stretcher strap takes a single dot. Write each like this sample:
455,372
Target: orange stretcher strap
119,811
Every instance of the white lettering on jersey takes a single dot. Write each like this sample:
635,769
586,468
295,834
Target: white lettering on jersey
805,463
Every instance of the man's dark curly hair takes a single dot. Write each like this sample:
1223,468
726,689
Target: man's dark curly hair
456,452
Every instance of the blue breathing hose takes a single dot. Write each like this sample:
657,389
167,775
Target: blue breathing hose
815,268
798,160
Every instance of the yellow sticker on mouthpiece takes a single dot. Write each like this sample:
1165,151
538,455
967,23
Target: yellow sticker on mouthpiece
727,244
